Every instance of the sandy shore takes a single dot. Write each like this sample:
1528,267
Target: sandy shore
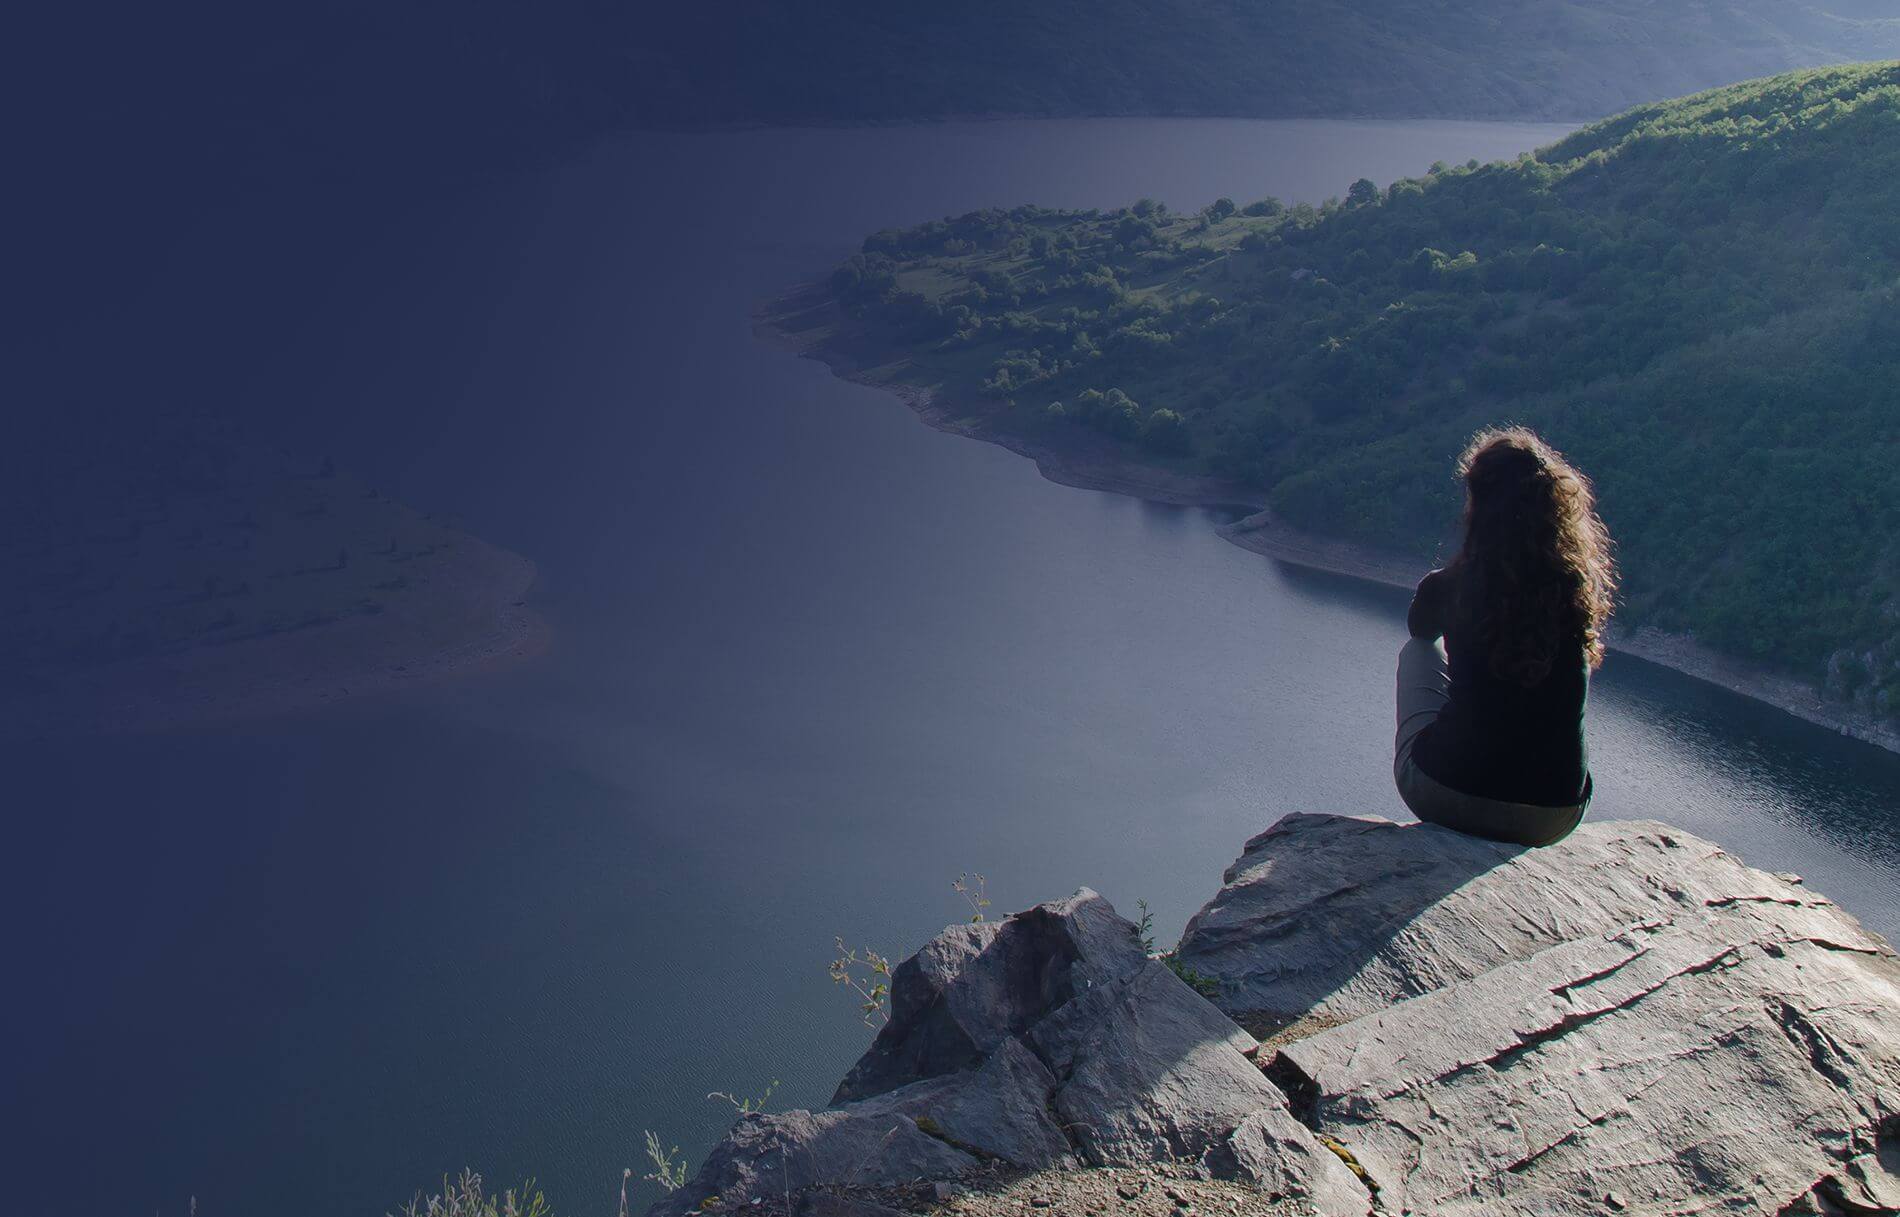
803,325
474,619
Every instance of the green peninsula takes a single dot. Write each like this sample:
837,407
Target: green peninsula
1699,300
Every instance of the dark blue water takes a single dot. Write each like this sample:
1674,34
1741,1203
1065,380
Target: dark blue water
813,660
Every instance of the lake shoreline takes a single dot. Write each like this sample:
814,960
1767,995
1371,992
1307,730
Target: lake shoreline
476,620
1093,465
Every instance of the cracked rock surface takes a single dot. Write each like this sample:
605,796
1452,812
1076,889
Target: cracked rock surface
1631,1021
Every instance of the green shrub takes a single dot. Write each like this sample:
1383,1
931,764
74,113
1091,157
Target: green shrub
464,1196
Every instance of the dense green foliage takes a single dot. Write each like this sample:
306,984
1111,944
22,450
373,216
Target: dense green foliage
1698,300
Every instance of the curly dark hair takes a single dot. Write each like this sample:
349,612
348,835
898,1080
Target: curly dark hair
1535,569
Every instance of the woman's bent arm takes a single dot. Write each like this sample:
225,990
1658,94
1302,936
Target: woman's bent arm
1427,616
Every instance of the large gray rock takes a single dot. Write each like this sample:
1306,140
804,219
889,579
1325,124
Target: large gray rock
1040,1042
1332,917
931,1129
1631,1019
1000,1112
1149,1070
1662,1063
975,986
1281,1158
783,1156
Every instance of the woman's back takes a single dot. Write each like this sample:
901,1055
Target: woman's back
1496,737
1490,719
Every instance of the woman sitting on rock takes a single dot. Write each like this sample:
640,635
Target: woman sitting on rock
1493,681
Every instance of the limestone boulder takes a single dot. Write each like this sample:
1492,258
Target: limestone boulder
1149,1071
1632,1020
1280,1157
974,986
1332,917
784,1156
1046,1041
1659,1063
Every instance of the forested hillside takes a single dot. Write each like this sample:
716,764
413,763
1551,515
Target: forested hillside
1698,300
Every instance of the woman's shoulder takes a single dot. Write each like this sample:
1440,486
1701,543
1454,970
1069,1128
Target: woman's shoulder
1430,606
1440,582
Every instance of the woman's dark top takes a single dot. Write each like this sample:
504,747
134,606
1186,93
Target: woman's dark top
1495,738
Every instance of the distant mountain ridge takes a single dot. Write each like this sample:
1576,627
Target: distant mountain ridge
138,120
381,85
758,61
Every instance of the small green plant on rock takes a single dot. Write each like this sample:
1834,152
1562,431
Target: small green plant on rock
464,1197
746,1106
669,1170
869,976
1206,986
974,890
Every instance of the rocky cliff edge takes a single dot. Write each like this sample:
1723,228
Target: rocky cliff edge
1402,1020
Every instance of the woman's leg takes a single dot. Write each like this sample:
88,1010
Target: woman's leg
1424,688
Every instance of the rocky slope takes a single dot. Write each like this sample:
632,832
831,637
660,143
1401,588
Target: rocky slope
1632,1021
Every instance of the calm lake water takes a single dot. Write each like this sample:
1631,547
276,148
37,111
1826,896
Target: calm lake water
813,661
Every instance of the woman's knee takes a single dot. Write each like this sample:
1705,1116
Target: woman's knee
1422,797
1548,830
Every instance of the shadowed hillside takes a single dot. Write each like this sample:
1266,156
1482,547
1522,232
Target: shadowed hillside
758,61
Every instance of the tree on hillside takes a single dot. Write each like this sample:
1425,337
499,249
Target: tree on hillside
1165,432
1134,230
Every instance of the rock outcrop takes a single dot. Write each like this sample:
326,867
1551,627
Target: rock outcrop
1631,1018
1631,1021
1048,1040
